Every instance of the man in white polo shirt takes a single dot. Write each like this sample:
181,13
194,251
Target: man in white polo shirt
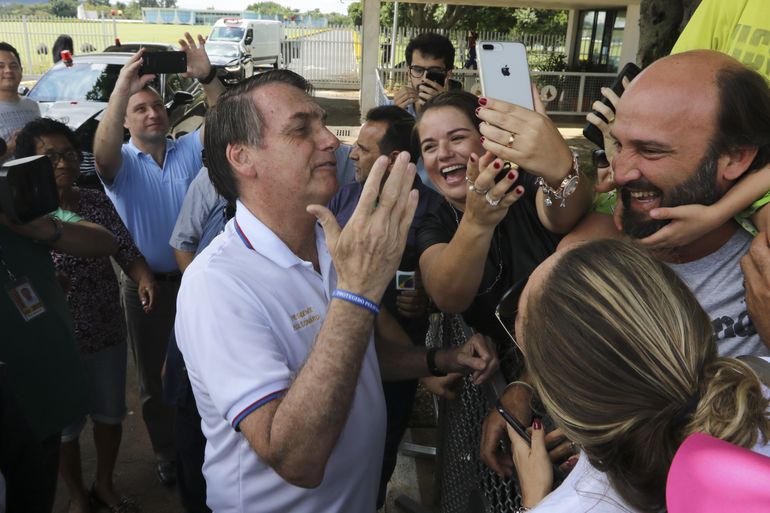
277,338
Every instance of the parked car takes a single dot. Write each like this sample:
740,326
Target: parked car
233,64
134,46
78,94
259,39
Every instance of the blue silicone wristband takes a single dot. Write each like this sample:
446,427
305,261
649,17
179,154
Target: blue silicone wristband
361,301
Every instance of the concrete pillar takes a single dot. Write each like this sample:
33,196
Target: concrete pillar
370,43
572,29
630,35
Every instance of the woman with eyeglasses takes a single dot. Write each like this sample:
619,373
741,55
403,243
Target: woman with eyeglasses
623,357
94,299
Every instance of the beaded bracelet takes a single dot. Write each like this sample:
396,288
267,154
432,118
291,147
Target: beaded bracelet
361,301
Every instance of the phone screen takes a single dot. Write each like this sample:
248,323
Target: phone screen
504,72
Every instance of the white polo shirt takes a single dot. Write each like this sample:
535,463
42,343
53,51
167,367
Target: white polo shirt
246,321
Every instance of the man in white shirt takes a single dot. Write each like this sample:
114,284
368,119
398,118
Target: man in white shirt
277,338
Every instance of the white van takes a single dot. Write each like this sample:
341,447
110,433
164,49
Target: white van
259,39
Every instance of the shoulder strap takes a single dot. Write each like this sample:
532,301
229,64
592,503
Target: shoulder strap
758,365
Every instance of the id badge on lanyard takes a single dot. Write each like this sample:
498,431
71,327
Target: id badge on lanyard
22,294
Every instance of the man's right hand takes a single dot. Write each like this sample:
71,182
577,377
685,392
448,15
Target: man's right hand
368,251
129,81
405,96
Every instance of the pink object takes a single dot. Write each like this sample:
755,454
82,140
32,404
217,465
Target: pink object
709,475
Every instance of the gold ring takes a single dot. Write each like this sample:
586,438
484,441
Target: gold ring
511,138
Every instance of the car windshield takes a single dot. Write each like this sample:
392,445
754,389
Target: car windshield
226,34
81,81
227,50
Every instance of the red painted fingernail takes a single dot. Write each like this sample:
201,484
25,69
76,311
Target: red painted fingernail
497,164
482,101
478,109
519,190
536,424
511,175
483,139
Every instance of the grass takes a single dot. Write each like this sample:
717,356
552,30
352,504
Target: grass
36,34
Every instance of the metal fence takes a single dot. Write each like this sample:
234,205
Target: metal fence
538,45
33,37
562,92
329,57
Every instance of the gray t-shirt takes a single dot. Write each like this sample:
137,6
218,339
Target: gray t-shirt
14,115
717,281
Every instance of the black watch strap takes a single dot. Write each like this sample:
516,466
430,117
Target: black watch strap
210,77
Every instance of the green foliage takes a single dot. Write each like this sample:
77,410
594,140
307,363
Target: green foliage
339,19
63,8
356,13
270,9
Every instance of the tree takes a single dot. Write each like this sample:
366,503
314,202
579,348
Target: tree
63,8
356,13
661,22
337,19
147,3
270,9
168,4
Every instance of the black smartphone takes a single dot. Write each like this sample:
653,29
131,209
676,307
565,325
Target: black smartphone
163,62
513,422
436,76
592,133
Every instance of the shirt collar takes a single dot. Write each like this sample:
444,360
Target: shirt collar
170,145
270,246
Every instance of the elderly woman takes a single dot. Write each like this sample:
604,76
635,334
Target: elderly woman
94,301
624,359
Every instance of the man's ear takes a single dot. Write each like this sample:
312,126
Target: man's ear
737,161
392,157
241,158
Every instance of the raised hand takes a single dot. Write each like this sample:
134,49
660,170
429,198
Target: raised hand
368,251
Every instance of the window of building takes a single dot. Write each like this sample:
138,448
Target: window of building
600,38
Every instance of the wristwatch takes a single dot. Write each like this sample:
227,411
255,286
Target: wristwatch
210,77
566,188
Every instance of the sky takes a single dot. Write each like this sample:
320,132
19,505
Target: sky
326,6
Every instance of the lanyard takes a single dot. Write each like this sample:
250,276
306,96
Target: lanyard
5,266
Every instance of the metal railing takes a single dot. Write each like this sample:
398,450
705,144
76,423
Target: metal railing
34,36
562,92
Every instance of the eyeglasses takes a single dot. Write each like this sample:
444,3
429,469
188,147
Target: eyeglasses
418,71
70,156
508,308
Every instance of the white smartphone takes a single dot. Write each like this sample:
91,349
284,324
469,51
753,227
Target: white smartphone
504,72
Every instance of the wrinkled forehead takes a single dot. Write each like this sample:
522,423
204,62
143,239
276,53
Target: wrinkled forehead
280,104
676,87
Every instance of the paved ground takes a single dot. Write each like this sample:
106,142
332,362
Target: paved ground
135,469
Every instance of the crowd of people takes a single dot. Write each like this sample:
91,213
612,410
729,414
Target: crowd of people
275,289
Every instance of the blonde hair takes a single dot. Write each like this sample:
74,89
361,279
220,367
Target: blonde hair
621,353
